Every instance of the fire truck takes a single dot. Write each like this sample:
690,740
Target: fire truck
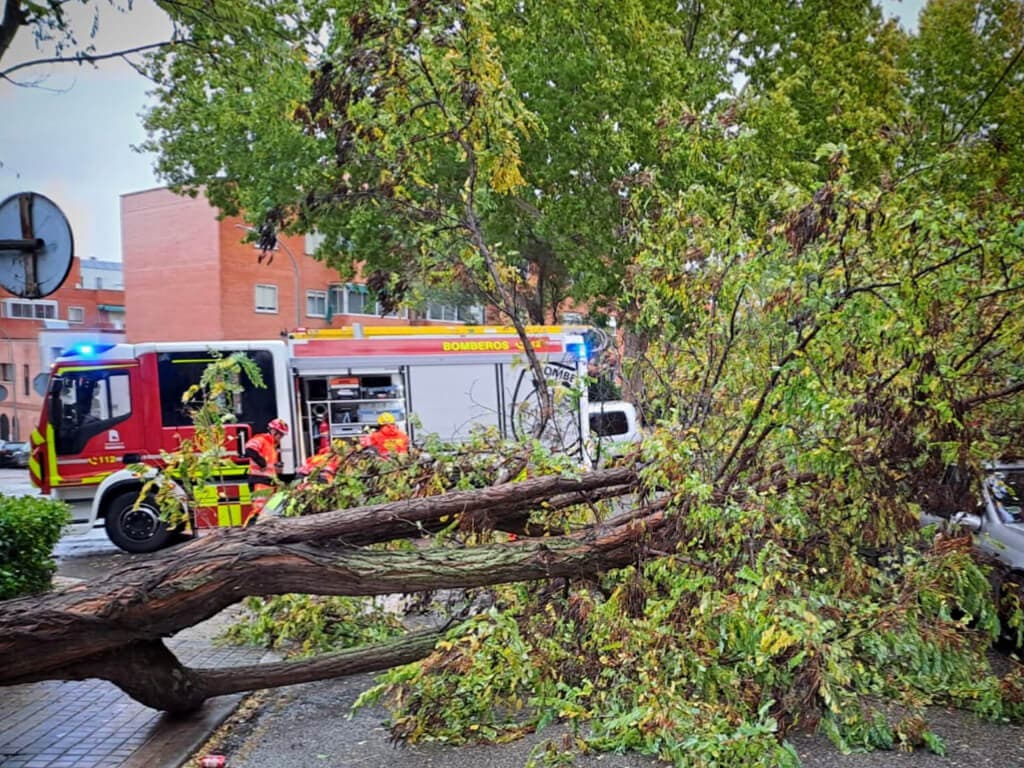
111,407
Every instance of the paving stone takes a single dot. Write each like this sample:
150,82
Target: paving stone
91,723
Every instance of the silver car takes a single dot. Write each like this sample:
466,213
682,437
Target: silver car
998,520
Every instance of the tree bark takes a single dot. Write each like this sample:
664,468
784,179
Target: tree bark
114,629
148,672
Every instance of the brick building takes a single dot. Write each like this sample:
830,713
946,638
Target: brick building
32,334
189,276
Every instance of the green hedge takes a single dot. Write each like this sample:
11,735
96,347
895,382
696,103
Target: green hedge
29,528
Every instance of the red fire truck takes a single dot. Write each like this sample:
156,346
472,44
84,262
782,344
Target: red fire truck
109,406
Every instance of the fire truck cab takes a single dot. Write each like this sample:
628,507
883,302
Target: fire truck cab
112,406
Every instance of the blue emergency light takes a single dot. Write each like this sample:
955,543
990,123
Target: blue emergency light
578,349
86,350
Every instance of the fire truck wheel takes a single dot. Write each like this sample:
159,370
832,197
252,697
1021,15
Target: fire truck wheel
136,530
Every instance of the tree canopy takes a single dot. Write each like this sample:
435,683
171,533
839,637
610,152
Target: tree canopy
810,224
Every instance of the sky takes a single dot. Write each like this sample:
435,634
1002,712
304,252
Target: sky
70,136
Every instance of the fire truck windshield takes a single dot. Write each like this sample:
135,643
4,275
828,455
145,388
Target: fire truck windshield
84,403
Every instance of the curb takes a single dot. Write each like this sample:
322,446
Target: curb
178,738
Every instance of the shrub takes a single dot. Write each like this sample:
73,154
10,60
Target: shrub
29,529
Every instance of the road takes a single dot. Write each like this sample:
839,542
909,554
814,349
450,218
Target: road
89,556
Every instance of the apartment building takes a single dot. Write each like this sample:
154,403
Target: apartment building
189,275
34,332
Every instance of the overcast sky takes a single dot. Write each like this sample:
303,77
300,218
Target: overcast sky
70,137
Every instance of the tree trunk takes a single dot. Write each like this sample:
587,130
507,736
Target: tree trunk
114,629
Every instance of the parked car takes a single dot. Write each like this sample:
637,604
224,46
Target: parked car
997,521
614,429
14,455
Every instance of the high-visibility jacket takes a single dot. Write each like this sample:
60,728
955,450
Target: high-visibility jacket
264,446
389,439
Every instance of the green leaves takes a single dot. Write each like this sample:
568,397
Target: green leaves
29,530
304,624
201,460
808,223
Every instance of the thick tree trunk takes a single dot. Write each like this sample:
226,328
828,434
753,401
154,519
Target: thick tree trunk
114,629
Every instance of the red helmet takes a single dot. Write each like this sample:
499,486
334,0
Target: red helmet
278,425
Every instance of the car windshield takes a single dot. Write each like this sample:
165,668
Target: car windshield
1007,489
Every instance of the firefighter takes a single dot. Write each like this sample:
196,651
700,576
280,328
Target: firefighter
262,452
323,465
388,438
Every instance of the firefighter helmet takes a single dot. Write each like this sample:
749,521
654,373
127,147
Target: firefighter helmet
386,418
278,425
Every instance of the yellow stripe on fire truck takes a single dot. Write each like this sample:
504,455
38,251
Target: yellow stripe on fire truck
229,500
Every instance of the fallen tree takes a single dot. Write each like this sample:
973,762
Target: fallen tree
115,630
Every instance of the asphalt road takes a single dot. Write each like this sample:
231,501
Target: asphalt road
311,724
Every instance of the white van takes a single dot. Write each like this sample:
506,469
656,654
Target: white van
613,429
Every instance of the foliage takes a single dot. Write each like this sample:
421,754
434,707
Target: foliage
29,530
202,459
398,137
307,624
810,224
699,665
360,477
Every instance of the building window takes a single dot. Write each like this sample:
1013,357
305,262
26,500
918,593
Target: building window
25,380
336,299
313,241
357,300
76,315
266,298
30,310
6,371
350,299
453,314
316,303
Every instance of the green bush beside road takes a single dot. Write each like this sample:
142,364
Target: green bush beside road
29,529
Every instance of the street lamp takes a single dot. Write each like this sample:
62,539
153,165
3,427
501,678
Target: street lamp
295,271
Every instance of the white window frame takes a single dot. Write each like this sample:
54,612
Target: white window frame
337,299
311,298
267,308
362,291
313,241
450,313
76,314
25,309
336,295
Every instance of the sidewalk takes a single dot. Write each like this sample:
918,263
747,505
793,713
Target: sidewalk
57,724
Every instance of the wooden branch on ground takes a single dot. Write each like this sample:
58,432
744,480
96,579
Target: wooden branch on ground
114,629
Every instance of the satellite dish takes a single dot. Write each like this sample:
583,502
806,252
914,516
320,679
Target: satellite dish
36,247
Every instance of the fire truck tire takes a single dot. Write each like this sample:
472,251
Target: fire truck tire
136,530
